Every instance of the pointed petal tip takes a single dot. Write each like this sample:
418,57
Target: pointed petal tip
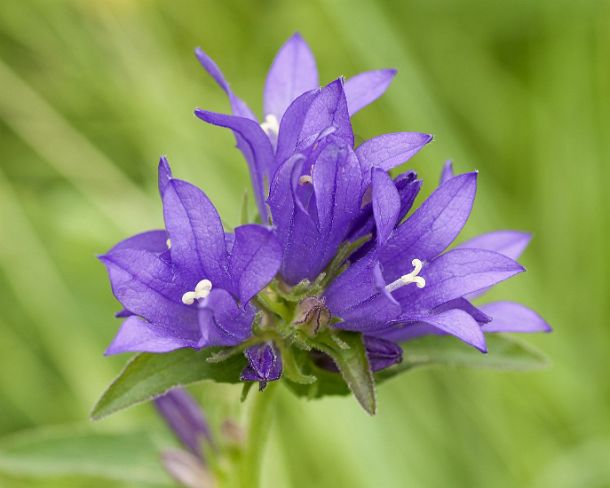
164,164
480,344
112,350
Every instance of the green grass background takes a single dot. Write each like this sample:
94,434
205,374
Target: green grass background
93,91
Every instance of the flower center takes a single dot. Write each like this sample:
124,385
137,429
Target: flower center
202,290
412,277
271,126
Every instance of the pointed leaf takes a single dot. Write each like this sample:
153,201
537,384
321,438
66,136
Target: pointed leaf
504,353
149,375
353,365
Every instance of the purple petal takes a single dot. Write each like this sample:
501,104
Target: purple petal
454,322
328,108
390,150
264,364
455,274
358,296
386,204
446,173
365,88
254,144
138,335
508,242
513,317
148,286
238,106
408,187
165,174
291,125
313,219
336,184
255,260
431,228
153,241
295,229
185,418
198,245
222,321
292,73
466,306
381,353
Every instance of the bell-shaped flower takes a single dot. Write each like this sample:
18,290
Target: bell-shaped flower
185,286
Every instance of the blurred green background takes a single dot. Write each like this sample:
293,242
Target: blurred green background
93,91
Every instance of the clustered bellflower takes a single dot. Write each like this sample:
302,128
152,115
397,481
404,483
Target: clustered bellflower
337,246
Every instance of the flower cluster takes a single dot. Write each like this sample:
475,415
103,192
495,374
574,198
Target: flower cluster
336,248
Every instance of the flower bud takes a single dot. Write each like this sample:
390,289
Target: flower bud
312,315
186,469
264,364
382,353
184,416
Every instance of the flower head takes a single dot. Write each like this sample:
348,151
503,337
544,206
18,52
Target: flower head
341,271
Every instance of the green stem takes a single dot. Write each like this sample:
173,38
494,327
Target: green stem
256,436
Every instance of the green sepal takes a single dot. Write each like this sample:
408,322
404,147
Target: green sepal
290,361
336,265
295,293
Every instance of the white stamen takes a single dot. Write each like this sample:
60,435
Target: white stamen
189,297
304,179
204,286
271,126
168,243
202,290
412,277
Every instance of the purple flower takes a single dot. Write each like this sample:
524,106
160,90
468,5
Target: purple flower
341,262
298,113
184,417
264,364
190,285
406,286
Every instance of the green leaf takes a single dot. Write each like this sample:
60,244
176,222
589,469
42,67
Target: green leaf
349,355
149,375
504,353
75,451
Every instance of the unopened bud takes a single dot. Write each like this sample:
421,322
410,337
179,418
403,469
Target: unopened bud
312,315
186,469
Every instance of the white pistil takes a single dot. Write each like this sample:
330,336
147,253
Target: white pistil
412,277
271,126
202,290
305,179
168,243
